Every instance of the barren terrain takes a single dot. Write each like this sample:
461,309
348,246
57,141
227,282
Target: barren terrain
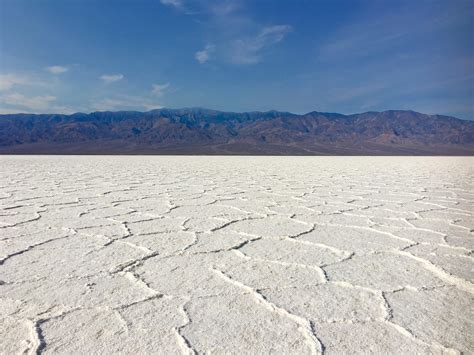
292,255
198,131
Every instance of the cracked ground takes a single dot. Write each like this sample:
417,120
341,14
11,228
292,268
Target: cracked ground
290,255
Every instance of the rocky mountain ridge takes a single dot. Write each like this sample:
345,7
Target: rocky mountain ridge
204,131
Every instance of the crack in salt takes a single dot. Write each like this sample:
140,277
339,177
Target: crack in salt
305,326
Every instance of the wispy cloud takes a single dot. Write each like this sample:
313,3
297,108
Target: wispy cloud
56,69
235,36
159,89
111,78
36,103
204,55
175,3
248,50
152,106
274,34
372,33
224,8
13,87
8,81
31,80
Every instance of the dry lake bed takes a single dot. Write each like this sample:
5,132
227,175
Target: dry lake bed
284,255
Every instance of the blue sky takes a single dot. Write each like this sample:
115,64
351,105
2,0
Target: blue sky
342,56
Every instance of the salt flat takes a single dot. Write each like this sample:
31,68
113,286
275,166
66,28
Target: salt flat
288,255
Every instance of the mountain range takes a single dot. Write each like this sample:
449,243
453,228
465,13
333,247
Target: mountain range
203,131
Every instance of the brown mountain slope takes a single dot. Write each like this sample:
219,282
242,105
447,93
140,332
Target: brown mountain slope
201,131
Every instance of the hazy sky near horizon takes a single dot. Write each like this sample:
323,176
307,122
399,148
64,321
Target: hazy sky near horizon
344,56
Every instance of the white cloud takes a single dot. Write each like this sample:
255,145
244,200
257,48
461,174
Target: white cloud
248,51
175,3
7,81
150,107
36,103
56,69
274,34
231,26
159,89
65,110
111,78
204,55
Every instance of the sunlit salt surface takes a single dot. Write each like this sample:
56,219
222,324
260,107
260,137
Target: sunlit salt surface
294,255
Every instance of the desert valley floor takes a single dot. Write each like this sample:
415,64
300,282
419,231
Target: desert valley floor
286,255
